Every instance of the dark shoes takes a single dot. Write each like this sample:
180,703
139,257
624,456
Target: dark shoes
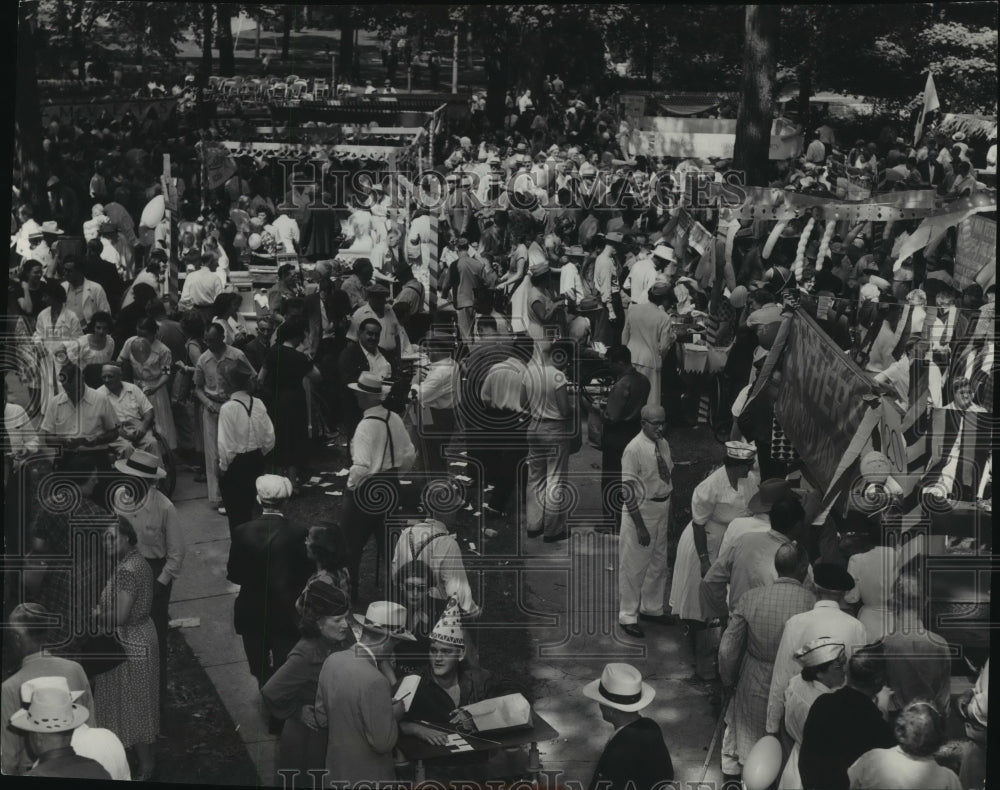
659,619
633,630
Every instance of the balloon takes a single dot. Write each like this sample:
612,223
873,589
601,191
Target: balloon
763,764
153,213
254,241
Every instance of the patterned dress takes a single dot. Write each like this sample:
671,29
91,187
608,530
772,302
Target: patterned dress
127,697
147,373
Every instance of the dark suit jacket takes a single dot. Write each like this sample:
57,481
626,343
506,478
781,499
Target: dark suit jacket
268,560
636,754
840,728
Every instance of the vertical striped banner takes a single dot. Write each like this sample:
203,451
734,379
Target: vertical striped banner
430,253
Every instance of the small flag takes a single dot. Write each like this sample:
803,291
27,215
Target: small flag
931,104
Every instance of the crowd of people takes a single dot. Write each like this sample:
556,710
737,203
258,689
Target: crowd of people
554,268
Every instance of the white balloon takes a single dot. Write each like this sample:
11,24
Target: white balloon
153,213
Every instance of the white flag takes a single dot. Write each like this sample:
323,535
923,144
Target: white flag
931,103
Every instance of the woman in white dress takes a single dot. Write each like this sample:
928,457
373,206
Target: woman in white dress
717,500
56,327
96,348
151,364
874,570
823,662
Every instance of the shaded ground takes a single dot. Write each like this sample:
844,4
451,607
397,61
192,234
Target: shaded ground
199,743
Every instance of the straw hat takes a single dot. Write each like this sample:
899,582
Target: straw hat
386,618
51,710
273,488
141,464
620,686
370,384
819,651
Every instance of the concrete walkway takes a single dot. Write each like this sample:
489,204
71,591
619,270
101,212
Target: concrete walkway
203,592
569,603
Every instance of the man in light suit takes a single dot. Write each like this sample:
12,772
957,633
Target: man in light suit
354,700
648,333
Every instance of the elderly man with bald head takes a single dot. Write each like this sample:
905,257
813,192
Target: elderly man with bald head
135,412
647,483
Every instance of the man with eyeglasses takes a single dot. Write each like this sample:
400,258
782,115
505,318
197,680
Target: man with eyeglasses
647,470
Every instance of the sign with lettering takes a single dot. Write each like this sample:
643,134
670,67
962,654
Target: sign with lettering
705,138
821,399
976,255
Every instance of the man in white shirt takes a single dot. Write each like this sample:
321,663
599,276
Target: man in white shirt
647,472
150,275
84,297
648,333
288,232
109,237
609,322
380,449
201,287
825,619
79,417
135,412
392,338
431,542
246,435
570,281
435,397
646,272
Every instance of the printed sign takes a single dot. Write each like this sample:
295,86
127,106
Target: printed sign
705,138
821,400
976,256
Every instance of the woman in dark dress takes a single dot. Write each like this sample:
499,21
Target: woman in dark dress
283,374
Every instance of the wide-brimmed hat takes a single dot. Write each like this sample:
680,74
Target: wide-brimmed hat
58,682
614,237
386,618
377,289
770,491
51,710
664,252
141,464
588,304
575,251
52,228
818,651
620,686
370,384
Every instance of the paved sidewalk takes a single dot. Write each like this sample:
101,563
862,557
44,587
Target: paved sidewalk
203,592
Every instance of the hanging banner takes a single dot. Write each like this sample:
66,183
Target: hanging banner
706,138
976,254
141,109
822,398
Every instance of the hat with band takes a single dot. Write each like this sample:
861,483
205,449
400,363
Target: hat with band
620,686
370,384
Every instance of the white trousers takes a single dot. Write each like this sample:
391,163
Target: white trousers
210,434
642,570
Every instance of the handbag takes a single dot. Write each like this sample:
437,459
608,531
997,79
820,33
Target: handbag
97,653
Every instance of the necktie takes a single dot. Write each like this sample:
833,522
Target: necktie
661,464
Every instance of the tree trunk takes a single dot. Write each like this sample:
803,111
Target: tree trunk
753,123
28,152
805,93
649,53
207,14
227,52
468,49
287,20
496,86
256,47
62,18
76,40
345,58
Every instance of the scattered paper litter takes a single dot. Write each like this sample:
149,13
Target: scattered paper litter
490,533
343,473
325,485
462,464
314,480
477,513
463,478
334,493
490,487
406,482
467,507
185,622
